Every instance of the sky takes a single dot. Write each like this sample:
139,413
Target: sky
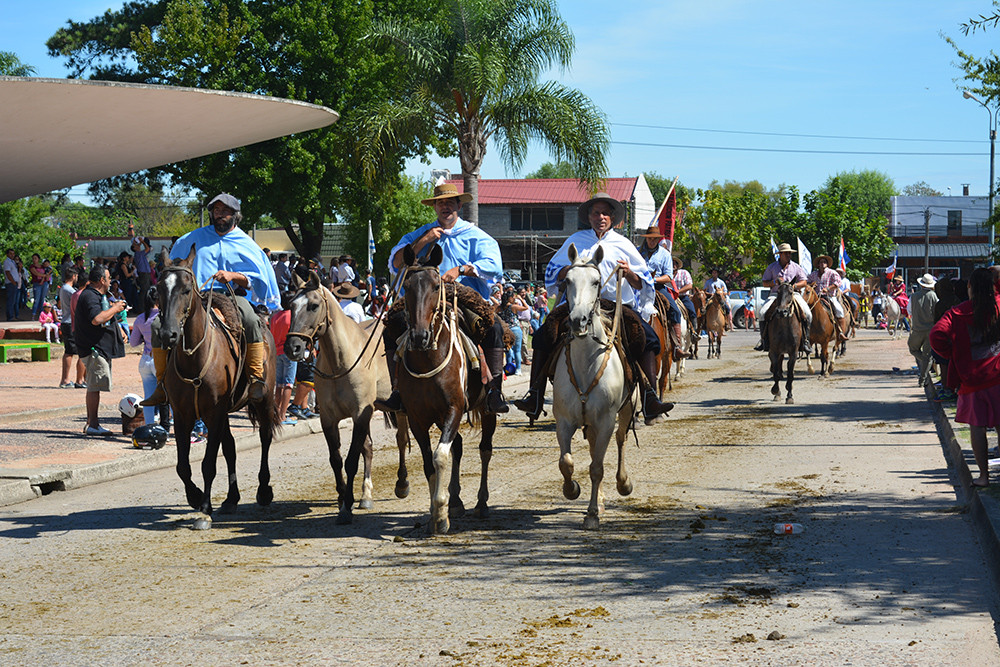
685,83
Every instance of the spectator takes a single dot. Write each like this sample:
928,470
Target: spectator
12,276
143,271
142,335
126,278
304,386
280,321
49,322
99,341
66,293
968,336
345,272
945,290
923,319
22,294
38,282
524,321
510,308
346,293
65,264
334,274
282,273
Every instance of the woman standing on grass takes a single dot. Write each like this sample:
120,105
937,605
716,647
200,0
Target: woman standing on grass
968,336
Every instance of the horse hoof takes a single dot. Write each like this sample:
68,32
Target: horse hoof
345,518
202,523
441,527
402,489
482,512
591,522
227,508
366,504
456,508
265,495
195,498
625,489
789,400
777,397
571,490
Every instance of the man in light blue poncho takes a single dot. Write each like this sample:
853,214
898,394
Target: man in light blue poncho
226,253
470,257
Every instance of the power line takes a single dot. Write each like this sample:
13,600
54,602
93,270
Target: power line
792,150
789,134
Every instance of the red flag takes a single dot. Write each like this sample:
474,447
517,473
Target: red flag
665,220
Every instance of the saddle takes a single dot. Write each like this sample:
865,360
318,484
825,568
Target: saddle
477,315
225,313
630,338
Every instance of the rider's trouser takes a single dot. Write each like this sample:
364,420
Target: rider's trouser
674,315
689,304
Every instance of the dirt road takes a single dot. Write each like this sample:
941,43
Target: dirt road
686,570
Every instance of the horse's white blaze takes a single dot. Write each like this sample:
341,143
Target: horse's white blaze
170,281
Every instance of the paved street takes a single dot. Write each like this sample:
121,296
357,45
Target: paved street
686,570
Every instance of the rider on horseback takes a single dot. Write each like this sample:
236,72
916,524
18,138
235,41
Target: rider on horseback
226,253
601,213
661,267
684,285
470,257
784,270
826,282
714,283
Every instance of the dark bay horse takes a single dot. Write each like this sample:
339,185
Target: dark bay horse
437,387
204,379
350,374
785,334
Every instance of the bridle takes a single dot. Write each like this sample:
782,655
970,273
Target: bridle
595,317
440,311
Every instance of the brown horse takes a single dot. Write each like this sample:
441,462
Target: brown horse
700,301
715,322
822,332
437,388
785,334
204,379
350,374
665,357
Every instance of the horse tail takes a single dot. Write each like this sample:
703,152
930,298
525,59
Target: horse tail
264,415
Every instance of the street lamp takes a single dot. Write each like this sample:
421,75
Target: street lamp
993,136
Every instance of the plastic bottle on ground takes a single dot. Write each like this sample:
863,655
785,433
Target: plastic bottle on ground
787,528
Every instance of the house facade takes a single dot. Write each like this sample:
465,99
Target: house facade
531,218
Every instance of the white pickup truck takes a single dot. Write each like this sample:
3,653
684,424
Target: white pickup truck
738,299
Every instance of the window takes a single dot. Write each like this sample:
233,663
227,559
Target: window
523,219
954,221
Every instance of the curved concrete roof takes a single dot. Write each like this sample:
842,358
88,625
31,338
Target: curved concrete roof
55,133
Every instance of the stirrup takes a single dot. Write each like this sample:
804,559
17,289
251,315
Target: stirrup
531,404
257,389
159,397
495,403
651,411
392,404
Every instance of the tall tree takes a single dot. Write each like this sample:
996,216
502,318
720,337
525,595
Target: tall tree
309,50
474,76
559,169
867,189
921,189
11,65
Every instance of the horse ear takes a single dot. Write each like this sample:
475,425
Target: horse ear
313,282
435,256
296,281
165,257
598,255
189,260
408,255
571,251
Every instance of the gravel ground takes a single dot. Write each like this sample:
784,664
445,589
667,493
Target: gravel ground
686,570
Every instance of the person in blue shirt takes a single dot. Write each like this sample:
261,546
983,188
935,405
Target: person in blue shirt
661,267
471,257
226,253
713,283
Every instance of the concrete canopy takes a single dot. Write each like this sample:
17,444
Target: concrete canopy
56,133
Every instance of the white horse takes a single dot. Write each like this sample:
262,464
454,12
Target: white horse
687,343
893,314
588,388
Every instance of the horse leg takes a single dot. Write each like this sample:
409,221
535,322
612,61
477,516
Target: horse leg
367,501
210,462
600,436
776,360
229,451
265,430
331,432
623,482
359,437
489,427
442,471
564,434
402,443
809,362
456,507
421,433
182,436
791,376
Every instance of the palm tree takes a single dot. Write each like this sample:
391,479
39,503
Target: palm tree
474,77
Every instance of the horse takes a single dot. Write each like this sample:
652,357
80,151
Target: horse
715,322
350,374
822,332
689,341
700,301
893,315
665,357
437,388
588,387
785,334
204,379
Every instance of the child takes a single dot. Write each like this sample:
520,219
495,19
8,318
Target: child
49,322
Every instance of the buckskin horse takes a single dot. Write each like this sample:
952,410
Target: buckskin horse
589,388
785,334
437,387
715,322
204,379
350,374
822,331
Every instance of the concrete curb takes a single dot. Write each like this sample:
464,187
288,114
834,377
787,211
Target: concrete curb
12,418
983,508
18,486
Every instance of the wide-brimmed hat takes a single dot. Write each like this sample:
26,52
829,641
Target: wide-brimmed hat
927,280
784,247
446,191
678,262
227,199
829,260
583,211
897,278
652,232
345,290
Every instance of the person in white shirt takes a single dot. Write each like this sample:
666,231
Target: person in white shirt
346,294
345,272
13,281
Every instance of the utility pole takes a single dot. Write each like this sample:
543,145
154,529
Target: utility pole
927,240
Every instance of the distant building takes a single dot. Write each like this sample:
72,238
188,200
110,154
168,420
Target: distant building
950,230
530,218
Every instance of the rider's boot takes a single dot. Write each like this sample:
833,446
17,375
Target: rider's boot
495,403
651,405
255,368
678,341
804,345
394,403
840,330
159,396
764,344
532,403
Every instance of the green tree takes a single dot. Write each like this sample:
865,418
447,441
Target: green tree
11,65
659,186
867,190
559,169
921,189
474,76
26,227
309,50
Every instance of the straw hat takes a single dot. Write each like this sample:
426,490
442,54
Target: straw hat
583,211
927,280
678,262
345,290
829,260
784,247
444,190
897,279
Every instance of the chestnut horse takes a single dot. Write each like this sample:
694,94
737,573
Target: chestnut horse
665,357
822,332
204,379
715,322
350,374
437,388
700,302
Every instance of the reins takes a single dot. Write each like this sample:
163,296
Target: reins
608,345
440,311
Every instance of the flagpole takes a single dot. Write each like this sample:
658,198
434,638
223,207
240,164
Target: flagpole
665,200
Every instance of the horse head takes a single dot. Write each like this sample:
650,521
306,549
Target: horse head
784,301
310,309
178,292
719,297
582,286
422,287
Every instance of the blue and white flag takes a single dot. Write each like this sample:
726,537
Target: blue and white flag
844,259
774,249
805,257
371,249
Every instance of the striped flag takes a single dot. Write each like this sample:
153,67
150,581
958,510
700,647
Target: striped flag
844,259
774,249
371,248
805,257
891,271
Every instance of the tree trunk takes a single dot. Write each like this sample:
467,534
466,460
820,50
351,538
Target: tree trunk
308,241
471,151
471,209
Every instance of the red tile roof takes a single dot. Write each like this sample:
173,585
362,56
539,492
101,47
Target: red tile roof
544,190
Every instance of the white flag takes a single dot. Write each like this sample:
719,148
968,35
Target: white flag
805,257
371,249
